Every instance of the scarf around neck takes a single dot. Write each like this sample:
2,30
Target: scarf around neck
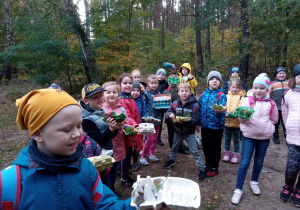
53,164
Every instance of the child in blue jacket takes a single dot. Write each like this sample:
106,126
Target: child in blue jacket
52,169
212,122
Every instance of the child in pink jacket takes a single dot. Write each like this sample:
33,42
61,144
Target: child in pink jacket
290,114
257,133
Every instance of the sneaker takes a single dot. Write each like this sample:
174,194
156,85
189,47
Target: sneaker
237,195
276,140
144,161
137,165
153,158
212,172
296,199
128,182
160,142
254,187
286,193
202,176
169,164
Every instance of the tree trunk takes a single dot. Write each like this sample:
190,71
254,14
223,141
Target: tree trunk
207,45
198,40
6,70
87,20
245,44
91,65
163,29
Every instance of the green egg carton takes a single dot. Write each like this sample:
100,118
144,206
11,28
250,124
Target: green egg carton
244,112
173,81
119,118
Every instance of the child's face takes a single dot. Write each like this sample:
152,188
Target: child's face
184,93
153,85
214,83
135,92
126,85
235,73
185,71
297,80
111,95
234,88
136,76
96,101
281,76
259,90
61,134
160,76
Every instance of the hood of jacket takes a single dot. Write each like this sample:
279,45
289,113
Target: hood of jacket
186,65
87,110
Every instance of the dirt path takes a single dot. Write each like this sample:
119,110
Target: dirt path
216,192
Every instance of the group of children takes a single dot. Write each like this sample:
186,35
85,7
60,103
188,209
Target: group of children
53,163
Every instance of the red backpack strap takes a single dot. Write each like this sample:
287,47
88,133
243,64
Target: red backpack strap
201,94
194,107
10,187
174,105
97,190
219,95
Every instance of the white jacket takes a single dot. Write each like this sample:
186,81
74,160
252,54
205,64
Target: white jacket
291,116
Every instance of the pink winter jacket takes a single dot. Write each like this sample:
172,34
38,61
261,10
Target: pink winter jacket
261,125
118,141
291,116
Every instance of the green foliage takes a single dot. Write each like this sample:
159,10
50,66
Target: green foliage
124,38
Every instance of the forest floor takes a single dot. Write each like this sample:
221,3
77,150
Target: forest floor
216,192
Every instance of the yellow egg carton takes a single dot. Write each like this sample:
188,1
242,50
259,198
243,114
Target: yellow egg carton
179,118
102,162
218,107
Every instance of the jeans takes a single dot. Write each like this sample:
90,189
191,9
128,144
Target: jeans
280,120
248,147
192,144
293,167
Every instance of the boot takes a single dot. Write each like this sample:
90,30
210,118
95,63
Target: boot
235,158
276,140
227,155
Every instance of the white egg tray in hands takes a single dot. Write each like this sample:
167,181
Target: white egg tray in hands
176,193
146,128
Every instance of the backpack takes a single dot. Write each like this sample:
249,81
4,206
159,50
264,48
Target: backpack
174,104
10,188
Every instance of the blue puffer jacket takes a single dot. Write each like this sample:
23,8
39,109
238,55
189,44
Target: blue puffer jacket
156,113
208,118
71,188
141,103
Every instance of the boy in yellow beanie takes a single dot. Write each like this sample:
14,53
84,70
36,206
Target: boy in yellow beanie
51,170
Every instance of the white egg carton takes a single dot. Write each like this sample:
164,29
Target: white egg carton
146,128
177,193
